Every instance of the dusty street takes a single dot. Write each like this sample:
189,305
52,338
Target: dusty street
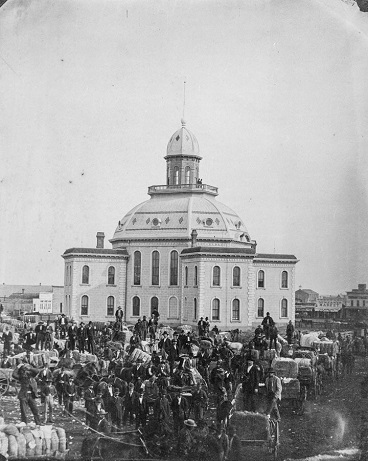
329,423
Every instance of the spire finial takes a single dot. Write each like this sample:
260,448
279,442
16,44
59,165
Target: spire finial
183,119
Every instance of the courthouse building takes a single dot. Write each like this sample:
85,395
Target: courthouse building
183,253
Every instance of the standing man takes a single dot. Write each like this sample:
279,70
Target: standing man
130,404
69,394
81,335
180,410
119,315
40,335
273,394
200,402
141,410
59,385
290,332
27,395
165,344
63,325
201,327
48,391
250,386
267,322
89,403
116,411
7,338
91,333
144,328
29,339
72,333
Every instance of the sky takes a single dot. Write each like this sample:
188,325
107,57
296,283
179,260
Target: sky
92,90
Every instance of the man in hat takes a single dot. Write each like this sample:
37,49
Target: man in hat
70,392
258,331
273,394
161,411
40,331
165,344
250,386
267,322
119,315
173,355
290,332
116,411
63,325
81,336
29,340
185,439
129,404
89,399
72,335
200,402
27,395
48,391
43,377
201,327
91,333
138,370
180,410
103,425
141,409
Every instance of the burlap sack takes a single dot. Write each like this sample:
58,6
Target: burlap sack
251,426
10,429
21,440
4,443
62,439
30,443
13,446
54,441
37,435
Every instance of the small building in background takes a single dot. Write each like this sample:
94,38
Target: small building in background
356,305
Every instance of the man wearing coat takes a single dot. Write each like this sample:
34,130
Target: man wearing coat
82,336
165,344
130,404
173,355
273,394
116,411
40,331
250,386
141,410
72,334
180,410
27,395
7,338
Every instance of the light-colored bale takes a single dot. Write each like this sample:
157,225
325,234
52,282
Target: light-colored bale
4,444
270,354
251,426
13,446
61,433
37,435
21,440
54,441
290,388
285,367
62,445
302,362
30,442
10,429
205,344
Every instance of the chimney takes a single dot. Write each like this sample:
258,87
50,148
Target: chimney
100,239
362,287
194,237
22,291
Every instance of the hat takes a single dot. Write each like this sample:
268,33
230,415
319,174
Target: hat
165,333
116,391
131,385
190,423
271,370
141,390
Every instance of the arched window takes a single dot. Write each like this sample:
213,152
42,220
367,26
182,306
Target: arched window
84,304
284,279
216,309
70,275
137,268
195,276
174,268
186,276
173,308
260,311
236,310
85,274
136,306
176,176
284,308
236,276
216,276
110,305
261,279
154,304
187,175
155,268
195,309
111,276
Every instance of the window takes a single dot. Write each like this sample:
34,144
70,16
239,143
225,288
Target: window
84,304
173,308
176,176
136,306
110,305
85,274
137,268
216,276
70,275
284,279
236,276
260,311
174,268
261,279
216,309
61,308
352,302
195,308
284,308
155,268
186,276
111,276
187,175
195,276
236,309
358,303
154,304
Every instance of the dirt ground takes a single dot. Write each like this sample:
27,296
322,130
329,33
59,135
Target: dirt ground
329,423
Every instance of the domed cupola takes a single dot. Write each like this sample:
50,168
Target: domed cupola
182,158
183,142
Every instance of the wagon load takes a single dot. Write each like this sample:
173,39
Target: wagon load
290,388
24,441
250,426
308,339
326,361
139,354
306,354
254,354
303,362
306,374
285,367
236,347
326,347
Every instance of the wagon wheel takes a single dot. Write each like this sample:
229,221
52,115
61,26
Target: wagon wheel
4,383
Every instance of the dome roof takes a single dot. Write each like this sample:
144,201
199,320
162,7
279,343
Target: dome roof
175,216
183,142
